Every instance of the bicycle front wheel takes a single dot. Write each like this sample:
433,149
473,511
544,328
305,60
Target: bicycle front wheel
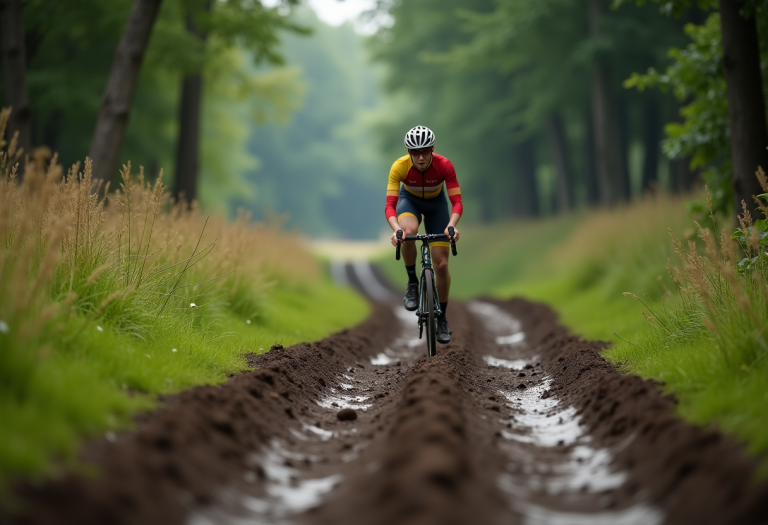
428,310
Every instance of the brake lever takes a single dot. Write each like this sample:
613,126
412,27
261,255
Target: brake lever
451,231
399,241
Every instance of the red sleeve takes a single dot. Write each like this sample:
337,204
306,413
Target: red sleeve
453,189
390,210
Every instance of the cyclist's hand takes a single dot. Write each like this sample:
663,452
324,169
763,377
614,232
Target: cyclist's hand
455,233
393,240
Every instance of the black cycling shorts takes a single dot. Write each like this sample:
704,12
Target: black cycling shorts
435,212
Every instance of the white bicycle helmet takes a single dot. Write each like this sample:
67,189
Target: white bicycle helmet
419,137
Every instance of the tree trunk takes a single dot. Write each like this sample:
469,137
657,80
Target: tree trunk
591,185
188,147
681,178
190,110
622,124
528,191
608,166
746,107
121,86
651,142
15,71
563,191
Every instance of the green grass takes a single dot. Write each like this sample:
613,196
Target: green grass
581,265
105,307
95,376
495,255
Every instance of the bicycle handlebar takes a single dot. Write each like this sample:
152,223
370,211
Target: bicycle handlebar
427,237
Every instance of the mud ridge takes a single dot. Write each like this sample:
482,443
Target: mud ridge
695,475
515,421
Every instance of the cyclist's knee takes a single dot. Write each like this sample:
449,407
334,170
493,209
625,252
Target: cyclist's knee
441,265
410,230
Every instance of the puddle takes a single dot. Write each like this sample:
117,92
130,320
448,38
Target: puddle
409,318
513,339
285,494
546,423
340,401
541,424
367,279
515,364
639,514
315,432
498,321
495,319
382,359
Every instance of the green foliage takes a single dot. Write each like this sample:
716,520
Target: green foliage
754,242
71,45
490,76
321,167
696,79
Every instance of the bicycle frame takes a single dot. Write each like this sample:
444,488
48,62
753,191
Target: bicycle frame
426,263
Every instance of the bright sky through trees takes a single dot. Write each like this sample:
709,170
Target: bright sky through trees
336,12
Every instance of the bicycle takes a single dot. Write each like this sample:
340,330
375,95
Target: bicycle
429,302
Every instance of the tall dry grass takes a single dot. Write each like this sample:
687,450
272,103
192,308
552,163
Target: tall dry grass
713,293
73,253
620,249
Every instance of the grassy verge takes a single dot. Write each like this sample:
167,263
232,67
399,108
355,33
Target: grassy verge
107,302
699,326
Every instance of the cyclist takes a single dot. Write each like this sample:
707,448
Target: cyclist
422,174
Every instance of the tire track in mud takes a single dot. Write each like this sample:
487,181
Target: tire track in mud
515,421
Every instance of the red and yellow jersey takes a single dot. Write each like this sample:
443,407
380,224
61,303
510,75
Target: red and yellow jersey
426,185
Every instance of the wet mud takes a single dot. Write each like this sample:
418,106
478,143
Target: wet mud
514,421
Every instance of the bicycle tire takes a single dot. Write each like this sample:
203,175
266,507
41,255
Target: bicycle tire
428,308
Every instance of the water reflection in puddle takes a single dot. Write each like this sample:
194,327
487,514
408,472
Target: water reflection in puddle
339,401
639,514
538,421
513,339
383,359
514,364
497,320
284,493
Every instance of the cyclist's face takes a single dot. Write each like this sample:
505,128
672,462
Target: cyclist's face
421,157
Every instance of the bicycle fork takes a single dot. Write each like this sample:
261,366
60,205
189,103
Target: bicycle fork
426,262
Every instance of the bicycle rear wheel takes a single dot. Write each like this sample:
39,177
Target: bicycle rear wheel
428,310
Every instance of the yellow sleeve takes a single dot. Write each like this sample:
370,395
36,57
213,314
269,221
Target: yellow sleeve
397,174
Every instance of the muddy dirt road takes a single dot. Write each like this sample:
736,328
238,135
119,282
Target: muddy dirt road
515,421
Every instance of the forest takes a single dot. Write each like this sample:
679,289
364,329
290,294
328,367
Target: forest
543,106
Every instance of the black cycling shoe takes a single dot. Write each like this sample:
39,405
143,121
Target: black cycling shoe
411,299
443,334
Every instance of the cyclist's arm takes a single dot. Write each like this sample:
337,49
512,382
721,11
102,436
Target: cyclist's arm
454,192
397,173
454,195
